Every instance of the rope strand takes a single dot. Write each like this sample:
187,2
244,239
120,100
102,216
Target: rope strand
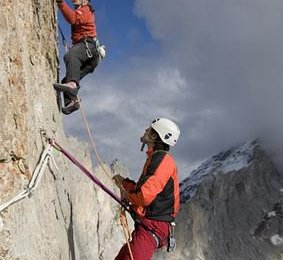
100,162
127,234
124,223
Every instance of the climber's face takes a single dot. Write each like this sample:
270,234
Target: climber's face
80,2
148,137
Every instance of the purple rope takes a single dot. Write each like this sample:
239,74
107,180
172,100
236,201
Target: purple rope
88,173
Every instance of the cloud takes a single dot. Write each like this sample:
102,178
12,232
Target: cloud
218,74
230,55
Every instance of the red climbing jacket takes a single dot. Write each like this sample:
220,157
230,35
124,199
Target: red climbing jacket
81,19
156,194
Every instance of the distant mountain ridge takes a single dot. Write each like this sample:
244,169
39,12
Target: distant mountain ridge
231,160
232,209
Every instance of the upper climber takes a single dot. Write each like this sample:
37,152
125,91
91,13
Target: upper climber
84,55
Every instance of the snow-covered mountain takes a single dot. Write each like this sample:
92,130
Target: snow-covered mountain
224,162
232,208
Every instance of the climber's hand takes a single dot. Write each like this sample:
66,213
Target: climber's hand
124,196
119,180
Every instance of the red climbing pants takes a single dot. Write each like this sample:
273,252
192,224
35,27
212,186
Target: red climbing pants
143,244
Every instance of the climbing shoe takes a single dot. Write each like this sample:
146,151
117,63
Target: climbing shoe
66,88
72,106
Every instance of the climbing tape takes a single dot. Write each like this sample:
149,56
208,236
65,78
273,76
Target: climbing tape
127,233
36,177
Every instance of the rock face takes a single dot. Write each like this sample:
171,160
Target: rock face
232,209
232,204
66,217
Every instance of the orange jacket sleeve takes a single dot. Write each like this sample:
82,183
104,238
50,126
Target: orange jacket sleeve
154,184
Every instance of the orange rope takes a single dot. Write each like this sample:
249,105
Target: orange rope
127,234
100,162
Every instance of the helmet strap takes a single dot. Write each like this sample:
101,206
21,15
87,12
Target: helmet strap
142,147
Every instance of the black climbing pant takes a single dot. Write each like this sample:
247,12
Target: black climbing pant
79,64
77,61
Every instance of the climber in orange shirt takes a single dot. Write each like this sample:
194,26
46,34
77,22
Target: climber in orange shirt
154,199
85,53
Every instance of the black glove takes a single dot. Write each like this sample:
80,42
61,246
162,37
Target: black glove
59,1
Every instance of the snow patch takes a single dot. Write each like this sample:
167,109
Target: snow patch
276,240
281,190
239,158
271,214
232,160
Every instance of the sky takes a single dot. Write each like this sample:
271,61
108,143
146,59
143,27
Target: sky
212,66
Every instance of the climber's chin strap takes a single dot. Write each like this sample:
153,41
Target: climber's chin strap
142,147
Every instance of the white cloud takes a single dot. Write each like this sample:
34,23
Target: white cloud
219,76
231,53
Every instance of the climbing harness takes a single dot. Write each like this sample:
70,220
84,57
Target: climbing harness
156,238
99,48
37,174
88,51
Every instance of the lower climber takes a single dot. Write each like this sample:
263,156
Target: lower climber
154,199
84,55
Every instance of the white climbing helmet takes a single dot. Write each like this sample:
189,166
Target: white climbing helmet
167,130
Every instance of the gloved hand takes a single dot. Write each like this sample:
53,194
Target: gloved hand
124,195
118,179
59,1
